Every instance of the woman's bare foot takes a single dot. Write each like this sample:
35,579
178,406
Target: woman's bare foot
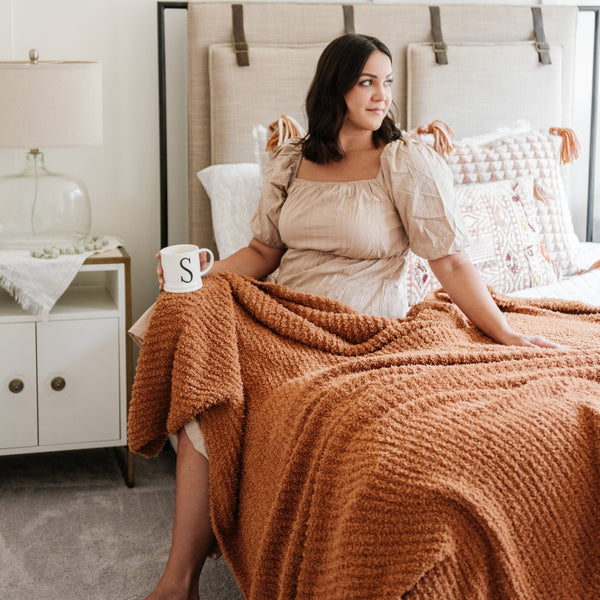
166,590
215,551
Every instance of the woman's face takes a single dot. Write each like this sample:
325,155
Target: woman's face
369,99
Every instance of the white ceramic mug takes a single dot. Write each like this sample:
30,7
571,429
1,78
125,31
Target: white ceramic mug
181,267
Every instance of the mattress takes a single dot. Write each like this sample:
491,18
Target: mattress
584,287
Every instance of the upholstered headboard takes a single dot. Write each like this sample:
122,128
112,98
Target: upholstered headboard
495,71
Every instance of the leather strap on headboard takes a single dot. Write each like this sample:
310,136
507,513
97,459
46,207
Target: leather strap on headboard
439,46
239,38
348,18
541,45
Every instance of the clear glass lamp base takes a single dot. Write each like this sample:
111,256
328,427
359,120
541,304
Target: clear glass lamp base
39,209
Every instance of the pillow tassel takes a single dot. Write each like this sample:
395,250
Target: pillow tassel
442,136
282,130
571,146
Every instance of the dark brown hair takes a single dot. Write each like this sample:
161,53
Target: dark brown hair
338,69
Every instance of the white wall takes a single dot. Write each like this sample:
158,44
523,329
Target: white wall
122,175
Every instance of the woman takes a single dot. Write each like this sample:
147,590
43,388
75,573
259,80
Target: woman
338,212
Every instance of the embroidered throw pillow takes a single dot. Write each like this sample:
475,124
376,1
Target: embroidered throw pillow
505,246
535,154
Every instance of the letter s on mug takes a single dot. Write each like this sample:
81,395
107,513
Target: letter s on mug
191,274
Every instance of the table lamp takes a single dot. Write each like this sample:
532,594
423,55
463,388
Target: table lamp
46,104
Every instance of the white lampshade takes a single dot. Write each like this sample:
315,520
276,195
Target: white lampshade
50,104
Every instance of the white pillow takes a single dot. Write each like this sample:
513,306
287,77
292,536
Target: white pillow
519,126
234,191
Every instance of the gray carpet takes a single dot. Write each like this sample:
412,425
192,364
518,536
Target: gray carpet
71,530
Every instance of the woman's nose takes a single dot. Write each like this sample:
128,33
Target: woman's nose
378,92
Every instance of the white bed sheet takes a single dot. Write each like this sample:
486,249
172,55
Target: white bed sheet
583,288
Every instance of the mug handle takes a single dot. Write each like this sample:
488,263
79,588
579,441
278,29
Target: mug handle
211,256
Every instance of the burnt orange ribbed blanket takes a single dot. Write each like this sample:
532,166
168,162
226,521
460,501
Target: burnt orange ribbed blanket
358,457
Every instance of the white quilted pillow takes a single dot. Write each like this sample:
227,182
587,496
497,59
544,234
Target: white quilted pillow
234,190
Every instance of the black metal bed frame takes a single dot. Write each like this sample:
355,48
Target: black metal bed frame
162,118
162,107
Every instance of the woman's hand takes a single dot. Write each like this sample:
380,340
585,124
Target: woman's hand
533,341
159,272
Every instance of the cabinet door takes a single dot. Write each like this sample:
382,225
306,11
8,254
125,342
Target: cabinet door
18,405
78,381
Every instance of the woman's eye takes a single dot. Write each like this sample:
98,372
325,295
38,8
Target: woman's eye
366,82
389,81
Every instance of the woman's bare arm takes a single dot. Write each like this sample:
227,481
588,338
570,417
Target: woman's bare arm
463,283
255,260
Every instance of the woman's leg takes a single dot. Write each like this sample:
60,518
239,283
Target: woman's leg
193,538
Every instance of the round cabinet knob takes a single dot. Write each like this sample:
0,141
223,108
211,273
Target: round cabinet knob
16,385
58,384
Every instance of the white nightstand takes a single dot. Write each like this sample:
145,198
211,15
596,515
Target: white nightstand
65,382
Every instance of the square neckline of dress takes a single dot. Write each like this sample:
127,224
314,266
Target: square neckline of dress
354,181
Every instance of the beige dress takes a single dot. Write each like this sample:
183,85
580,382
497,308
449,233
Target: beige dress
349,240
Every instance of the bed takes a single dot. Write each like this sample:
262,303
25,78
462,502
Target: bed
480,479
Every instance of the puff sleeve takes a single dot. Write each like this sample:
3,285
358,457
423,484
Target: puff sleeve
422,187
279,172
